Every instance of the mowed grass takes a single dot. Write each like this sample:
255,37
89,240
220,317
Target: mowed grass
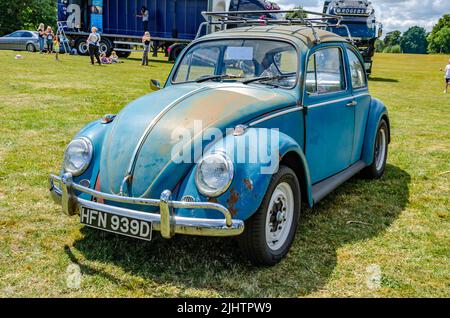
398,225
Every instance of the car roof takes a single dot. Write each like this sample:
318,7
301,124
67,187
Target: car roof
295,33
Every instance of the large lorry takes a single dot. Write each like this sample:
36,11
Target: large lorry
172,23
359,17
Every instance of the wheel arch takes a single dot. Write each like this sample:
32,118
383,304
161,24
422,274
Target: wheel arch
297,162
377,112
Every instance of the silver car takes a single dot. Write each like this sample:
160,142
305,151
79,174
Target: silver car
20,41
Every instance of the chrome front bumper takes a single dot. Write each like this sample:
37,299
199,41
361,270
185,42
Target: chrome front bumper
166,221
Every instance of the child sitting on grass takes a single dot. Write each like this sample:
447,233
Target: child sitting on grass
104,59
114,58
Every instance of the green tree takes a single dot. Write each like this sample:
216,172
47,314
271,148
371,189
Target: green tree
438,39
26,14
396,49
414,41
298,14
392,38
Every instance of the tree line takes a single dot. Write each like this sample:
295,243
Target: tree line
416,40
26,14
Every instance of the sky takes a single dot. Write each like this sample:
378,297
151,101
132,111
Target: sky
394,14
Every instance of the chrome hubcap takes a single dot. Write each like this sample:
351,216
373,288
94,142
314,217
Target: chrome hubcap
380,149
280,216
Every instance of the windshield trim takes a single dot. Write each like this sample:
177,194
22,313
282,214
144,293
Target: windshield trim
294,45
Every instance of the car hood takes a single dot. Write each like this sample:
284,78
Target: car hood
143,131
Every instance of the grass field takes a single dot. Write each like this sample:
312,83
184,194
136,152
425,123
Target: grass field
398,225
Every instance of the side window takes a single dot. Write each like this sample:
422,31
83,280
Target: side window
329,71
17,34
325,73
358,75
27,35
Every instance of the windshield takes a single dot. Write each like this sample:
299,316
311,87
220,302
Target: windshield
249,61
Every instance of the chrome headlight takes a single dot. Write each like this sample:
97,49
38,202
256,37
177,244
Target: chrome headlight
78,156
214,174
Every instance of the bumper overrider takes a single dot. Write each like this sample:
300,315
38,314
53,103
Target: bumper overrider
166,221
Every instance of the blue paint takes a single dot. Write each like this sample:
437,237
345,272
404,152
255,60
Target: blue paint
322,133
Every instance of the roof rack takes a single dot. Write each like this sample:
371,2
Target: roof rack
319,20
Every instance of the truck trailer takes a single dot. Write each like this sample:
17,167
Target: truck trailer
359,17
172,23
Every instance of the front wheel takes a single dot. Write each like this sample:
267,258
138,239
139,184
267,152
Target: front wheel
269,233
380,153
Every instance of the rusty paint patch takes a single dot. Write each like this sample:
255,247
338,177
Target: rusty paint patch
232,200
213,200
249,184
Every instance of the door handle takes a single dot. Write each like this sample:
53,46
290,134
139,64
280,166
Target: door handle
353,103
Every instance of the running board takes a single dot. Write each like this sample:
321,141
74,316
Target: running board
325,187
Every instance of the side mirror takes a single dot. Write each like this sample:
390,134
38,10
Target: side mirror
155,85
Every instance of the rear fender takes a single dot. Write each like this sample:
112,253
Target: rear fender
377,112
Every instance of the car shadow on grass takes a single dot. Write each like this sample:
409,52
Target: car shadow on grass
381,79
358,210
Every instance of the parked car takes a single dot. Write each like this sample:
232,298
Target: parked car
20,41
119,173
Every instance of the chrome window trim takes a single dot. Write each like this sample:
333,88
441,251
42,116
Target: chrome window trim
344,71
277,114
337,100
366,86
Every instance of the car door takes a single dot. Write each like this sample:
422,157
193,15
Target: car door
15,40
361,99
26,38
330,114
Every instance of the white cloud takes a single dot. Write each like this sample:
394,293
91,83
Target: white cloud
394,14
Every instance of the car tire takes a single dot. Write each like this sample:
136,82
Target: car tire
82,47
31,48
380,153
280,209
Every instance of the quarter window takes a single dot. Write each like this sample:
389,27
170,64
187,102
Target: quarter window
356,70
325,73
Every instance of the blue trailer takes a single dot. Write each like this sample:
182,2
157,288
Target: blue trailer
172,23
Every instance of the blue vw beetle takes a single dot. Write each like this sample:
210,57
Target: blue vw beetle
193,158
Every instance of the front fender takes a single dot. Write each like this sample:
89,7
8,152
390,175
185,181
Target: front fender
249,185
377,111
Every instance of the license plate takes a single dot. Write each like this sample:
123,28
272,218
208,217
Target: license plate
116,224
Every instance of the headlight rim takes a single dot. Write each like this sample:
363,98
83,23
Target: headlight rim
88,162
201,186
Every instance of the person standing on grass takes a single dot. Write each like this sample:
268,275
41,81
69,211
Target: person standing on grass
146,41
94,45
49,36
41,33
56,47
144,15
447,76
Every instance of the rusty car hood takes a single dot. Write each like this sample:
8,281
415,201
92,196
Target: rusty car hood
142,132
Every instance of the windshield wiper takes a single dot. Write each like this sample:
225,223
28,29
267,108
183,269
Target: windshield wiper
216,77
266,78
